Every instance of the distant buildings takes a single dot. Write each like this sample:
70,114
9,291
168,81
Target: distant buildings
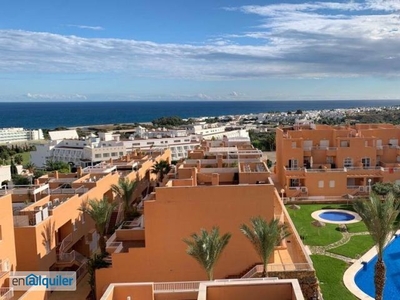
66,146
12,135
321,160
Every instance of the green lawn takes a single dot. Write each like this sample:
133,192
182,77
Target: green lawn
321,236
356,247
330,274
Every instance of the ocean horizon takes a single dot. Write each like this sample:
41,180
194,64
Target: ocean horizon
32,115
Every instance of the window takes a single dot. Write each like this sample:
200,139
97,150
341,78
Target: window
329,160
366,161
294,145
177,141
331,183
348,162
344,143
294,182
150,143
121,153
97,156
106,154
321,184
114,154
293,164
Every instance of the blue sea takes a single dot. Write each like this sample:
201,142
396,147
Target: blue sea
74,114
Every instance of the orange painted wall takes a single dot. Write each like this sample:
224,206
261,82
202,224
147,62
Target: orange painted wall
249,291
176,214
7,240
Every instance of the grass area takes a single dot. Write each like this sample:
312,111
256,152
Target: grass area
330,274
26,157
319,236
356,247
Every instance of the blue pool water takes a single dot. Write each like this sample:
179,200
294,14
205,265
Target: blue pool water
336,216
365,277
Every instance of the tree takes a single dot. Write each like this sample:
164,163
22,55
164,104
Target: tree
60,166
30,166
264,237
18,159
13,169
100,211
380,218
95,263
206,248
125,189
161,168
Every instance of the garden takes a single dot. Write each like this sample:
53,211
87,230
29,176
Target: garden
332,249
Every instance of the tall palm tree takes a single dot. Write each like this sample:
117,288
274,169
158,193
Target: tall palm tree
206,248
30,166
100,211
264,237
380,218
161,168
125,189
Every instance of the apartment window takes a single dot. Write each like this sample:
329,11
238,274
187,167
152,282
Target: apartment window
378,160
114,154
294,182
331,183
293,145
329,160
344,143
121,153
187,140
321,184
293,164
106,154
366,161
348,162
97,156
150,143
177,141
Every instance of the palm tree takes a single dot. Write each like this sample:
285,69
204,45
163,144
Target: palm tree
161,168
206,248
264,237
380,218
125,189
100,211
30,166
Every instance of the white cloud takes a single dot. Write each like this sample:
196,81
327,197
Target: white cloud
86,27
56,96
310,39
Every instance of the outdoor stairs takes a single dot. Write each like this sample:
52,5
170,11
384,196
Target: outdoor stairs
238,276
113,221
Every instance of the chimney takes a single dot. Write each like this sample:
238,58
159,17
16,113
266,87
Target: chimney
219,159
198,165
36,182
79,171
215,179
194,177
56,174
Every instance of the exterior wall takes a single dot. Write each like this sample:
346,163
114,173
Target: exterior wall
176,213
11,135
7,239
327,148
249,291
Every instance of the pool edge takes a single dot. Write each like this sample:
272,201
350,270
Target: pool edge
356,219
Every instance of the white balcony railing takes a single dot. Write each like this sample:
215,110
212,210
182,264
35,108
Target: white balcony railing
6,293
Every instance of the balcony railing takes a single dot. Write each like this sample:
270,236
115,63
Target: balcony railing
278,268
168,287
6,293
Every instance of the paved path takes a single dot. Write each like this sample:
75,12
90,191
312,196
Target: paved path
324,250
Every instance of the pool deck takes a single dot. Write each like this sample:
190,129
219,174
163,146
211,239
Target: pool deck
316,216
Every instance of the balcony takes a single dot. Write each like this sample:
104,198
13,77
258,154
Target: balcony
6,293
331,151
362,172
295,172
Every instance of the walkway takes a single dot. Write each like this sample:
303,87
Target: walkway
324,250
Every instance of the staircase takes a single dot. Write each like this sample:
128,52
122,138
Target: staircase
237,276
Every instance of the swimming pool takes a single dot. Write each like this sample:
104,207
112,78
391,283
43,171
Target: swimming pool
336,216
364,278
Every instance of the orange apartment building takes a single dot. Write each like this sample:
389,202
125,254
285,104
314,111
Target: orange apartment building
221,184
321,160
41,226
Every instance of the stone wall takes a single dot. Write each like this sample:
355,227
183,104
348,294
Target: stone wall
307,280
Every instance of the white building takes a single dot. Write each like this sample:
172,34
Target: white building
11,135
81,152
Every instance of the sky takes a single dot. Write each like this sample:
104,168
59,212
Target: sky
54,50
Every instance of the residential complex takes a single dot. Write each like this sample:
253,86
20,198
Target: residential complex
42,228
11,135
321,161
222,184
68,147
